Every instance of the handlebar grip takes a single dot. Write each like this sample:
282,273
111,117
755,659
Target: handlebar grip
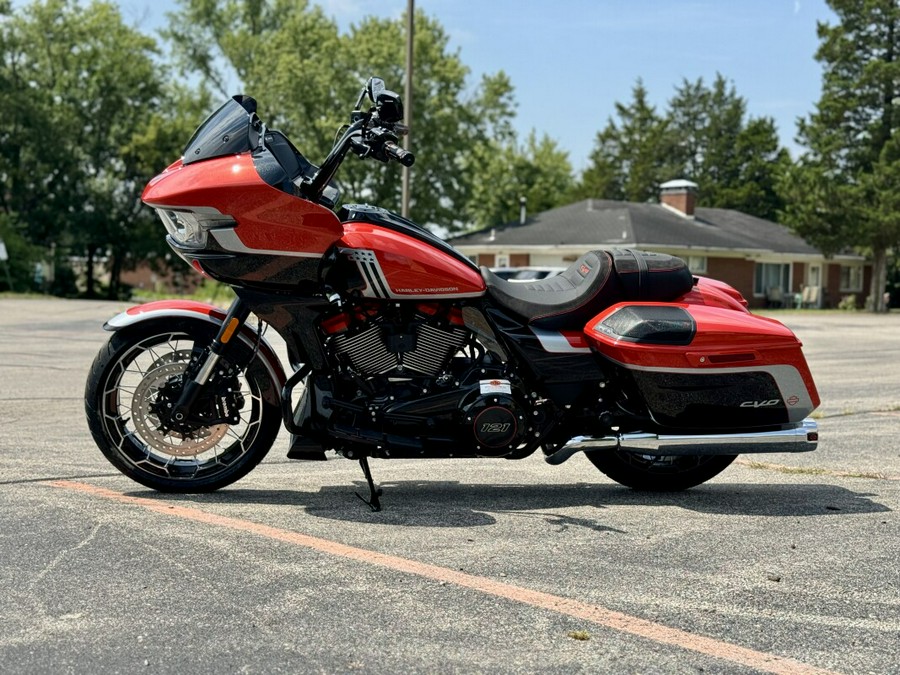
394,151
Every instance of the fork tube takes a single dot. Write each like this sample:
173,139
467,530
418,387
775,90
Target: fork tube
237,315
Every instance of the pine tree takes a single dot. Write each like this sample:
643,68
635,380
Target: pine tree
843,190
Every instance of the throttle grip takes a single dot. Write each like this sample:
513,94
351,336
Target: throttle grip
394,151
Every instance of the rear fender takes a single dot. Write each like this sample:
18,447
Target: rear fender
199,310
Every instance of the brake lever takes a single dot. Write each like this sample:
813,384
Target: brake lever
360,149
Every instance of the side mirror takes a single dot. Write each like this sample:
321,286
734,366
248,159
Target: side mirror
374,88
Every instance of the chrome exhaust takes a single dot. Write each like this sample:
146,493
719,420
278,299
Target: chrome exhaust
801,437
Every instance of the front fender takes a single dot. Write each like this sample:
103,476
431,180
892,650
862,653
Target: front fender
199,310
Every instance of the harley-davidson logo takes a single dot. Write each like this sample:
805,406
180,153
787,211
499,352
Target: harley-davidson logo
445,289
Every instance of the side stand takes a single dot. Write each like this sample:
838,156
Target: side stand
373,502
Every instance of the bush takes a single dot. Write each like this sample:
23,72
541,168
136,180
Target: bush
848,303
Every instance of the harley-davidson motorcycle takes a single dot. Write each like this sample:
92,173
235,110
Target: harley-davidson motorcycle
401,347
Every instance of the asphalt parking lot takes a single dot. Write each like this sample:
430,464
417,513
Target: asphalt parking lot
783,563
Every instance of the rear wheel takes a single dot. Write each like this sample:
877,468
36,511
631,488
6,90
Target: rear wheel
139,374
659,473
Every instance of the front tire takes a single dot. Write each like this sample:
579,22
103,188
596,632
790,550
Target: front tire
139,367
658,473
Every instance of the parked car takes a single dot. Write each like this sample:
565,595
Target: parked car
526,273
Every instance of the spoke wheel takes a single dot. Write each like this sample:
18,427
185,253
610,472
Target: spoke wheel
658,473
137,377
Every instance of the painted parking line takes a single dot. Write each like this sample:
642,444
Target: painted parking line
595,614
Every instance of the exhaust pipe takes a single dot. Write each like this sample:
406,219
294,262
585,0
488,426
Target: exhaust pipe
801,437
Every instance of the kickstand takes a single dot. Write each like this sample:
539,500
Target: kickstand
373,501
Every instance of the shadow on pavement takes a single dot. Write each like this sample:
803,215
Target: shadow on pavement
454,504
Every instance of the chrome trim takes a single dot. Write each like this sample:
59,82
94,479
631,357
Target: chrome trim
802,437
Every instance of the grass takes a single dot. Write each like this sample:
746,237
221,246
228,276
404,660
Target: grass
811,470
208,291
847,412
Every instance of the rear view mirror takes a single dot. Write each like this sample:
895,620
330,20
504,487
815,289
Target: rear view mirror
374,87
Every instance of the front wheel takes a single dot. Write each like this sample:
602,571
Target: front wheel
139,374
658,473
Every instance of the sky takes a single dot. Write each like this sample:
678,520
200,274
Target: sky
570,61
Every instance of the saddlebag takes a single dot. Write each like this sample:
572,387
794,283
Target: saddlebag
698,367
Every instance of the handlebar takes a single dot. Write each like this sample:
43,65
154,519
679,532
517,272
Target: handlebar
394,151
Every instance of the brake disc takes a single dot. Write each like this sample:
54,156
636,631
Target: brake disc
148,425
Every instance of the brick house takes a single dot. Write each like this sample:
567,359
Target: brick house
763,260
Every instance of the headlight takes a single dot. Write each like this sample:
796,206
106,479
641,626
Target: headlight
189,227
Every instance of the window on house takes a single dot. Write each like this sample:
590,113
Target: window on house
851,278
697,264
502,260
771,275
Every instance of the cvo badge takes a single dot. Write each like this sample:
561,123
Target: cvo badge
771,403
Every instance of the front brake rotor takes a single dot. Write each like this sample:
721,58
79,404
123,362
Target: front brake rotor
150,427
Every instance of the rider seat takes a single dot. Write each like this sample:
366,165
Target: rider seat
595,281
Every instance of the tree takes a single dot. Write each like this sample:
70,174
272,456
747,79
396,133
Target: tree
81,84
842,191
504,173
704,135
737,161
307,75
632,155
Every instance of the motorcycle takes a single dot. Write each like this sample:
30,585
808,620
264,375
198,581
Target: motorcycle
401,347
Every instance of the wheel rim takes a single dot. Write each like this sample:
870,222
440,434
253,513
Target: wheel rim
132,387
664,464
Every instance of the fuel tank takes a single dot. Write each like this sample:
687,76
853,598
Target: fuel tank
395,259
706,367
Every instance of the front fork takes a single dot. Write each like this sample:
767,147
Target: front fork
234,320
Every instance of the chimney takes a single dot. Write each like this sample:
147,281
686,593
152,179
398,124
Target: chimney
680,195
523,213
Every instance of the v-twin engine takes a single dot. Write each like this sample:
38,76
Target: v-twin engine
421,344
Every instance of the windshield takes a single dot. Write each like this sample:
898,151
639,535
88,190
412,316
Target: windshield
228,131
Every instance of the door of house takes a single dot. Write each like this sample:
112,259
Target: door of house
814,274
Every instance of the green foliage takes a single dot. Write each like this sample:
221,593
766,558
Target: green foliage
633,154
704,136
80,87
843,191
307,77
504,173
22,256
90,111
736,160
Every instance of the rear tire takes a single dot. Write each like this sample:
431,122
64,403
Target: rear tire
128,377
658,474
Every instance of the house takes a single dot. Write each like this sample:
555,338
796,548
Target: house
763,260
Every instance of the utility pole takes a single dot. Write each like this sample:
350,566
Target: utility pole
408,102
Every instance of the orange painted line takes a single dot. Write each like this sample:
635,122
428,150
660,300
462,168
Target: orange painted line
595,614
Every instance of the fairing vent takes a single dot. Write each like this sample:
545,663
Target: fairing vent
655,325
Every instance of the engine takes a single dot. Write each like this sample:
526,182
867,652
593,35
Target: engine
408,342
412,380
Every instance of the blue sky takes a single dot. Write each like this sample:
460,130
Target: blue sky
571,60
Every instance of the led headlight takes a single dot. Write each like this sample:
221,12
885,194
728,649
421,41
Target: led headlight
190,227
